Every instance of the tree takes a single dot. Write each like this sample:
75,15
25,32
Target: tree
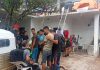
11,6
16,10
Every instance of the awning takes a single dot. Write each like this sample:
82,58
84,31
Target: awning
92,4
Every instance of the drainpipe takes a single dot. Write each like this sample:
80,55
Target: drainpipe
96,35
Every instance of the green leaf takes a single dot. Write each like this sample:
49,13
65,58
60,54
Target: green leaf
13,6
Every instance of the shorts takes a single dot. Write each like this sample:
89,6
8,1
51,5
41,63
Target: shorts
46,56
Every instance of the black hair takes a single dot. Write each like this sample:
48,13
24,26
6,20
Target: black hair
55,29
33,29
22,30
41,30
46,27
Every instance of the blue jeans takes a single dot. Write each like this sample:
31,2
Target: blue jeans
34,54
55,67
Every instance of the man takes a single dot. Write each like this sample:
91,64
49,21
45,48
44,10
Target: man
41,37
27,57
56,50
18,40
34,45
47,50
25,38
67,49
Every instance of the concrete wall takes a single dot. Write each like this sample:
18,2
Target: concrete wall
77,26
27,25
80,27
52,22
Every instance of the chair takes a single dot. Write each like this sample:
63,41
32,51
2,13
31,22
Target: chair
21,65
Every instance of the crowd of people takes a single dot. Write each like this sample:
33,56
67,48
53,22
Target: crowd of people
49,42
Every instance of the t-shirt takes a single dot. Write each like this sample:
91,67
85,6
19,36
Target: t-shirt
25,37
19,38
26,53
49,44
36,42
56,47
41,38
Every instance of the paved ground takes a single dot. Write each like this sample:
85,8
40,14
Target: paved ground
80,62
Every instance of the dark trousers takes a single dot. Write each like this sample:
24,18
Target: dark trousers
56,59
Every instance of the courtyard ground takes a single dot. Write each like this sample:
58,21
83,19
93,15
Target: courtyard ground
80,62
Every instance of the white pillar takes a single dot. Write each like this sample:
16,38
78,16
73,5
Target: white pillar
96,35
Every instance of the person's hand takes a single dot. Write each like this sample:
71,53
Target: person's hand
47,37
44,43
31,62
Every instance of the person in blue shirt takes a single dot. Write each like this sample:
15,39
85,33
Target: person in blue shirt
41,37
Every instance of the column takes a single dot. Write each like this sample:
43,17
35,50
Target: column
96,35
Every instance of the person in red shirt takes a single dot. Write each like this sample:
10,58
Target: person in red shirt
67,43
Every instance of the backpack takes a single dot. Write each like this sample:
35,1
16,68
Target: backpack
16,55
62,41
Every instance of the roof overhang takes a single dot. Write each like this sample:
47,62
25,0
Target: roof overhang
87,14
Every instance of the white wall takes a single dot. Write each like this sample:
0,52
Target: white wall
37,23
77,26
52,22
80,27
26,24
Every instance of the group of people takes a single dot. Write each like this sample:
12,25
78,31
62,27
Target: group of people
21,37
47,41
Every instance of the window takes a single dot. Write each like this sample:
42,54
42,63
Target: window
4,43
